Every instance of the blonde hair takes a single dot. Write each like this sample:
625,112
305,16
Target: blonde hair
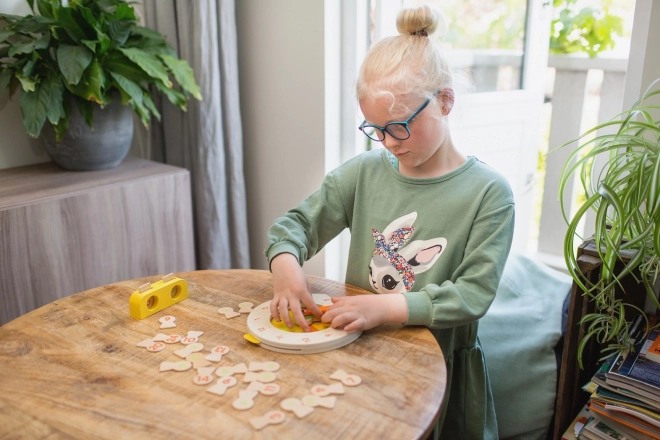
409,63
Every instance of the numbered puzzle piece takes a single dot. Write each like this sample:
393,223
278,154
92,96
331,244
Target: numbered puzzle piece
192,348
167,322
270,418
198,360
267,389
245,400
228,312
325,390
245,307
221,386
168,339
204,376
350,380
264,366
297,407
152,346
217,352
313,400
191,337
176,366
264,376
230,371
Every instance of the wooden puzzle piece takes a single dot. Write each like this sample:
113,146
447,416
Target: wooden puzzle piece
191,337
167,322
325,390
228,312
176,366
245,400
168,339
264,366
152,346
267,389
217,352
313,400
350,380
297,407
245,307
270,418
230,371
264,376
204,376
192,348
221,386
198,360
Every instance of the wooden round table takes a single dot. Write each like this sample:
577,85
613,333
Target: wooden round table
72,369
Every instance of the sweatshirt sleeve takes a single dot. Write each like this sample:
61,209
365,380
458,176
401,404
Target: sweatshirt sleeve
471,290
304,230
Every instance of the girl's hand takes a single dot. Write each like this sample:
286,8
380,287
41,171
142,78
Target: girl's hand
290,291
364,312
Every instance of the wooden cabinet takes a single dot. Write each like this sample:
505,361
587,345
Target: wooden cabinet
63,232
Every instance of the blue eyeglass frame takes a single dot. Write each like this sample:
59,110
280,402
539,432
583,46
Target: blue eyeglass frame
405,123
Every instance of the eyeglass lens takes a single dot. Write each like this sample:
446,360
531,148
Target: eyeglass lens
397,131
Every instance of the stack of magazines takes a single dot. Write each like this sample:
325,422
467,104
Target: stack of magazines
625,399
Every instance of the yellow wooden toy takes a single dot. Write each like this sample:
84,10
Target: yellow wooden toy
151,298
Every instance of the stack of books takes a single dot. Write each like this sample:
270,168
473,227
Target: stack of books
625,399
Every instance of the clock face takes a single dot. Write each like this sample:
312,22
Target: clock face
276,336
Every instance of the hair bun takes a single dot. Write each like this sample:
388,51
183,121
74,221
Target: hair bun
421,21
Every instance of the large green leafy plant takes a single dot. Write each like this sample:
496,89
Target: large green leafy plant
625,195
90,51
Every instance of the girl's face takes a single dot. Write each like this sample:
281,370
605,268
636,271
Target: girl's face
421,154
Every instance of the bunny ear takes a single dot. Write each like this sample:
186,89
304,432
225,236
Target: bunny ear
405,221
422,254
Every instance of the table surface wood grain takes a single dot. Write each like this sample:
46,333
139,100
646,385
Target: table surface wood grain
72,369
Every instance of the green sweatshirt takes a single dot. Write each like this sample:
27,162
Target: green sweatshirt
442,242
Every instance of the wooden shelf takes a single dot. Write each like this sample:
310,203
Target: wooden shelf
63,232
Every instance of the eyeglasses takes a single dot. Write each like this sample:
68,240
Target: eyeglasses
398,130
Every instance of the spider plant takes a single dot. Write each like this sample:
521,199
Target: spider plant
625,194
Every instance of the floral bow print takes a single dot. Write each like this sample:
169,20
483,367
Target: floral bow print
388,248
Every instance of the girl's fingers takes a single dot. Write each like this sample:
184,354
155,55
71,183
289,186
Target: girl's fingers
298,317
284,312
274,312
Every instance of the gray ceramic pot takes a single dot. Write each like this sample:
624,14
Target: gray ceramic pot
82,149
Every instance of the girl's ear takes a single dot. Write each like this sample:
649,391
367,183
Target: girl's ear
447,96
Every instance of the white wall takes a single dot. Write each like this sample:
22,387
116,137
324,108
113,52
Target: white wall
281,67
16,147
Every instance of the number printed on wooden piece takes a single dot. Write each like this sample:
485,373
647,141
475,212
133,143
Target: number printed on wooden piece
228,312
264,366
192,348
167,322
350,380
245,307
198,360
176,366
264,376
297,407
221,386
267,389
191,337
204,376
230,371
270,418
325,390
168,339
312,400
152,346
245,400
217,352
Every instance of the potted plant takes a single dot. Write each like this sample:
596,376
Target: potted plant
80,68
625,195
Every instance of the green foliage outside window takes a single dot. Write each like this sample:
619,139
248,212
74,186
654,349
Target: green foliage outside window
588,29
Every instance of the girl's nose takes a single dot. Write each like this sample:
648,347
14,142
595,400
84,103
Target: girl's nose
390,142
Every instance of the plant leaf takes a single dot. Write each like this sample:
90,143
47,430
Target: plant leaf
90,44
28,84
45,8
119,31
34,107
55,107
91,84
73,60
18,49
5,76
43,42
4,34
71,26
151,65
132,89
149,104
177,98
125,12
63,123
183,74
86,109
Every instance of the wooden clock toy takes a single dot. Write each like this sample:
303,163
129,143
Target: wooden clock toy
276,336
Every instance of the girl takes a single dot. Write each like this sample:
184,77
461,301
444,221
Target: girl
425,221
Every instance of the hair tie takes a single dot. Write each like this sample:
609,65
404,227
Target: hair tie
421,33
